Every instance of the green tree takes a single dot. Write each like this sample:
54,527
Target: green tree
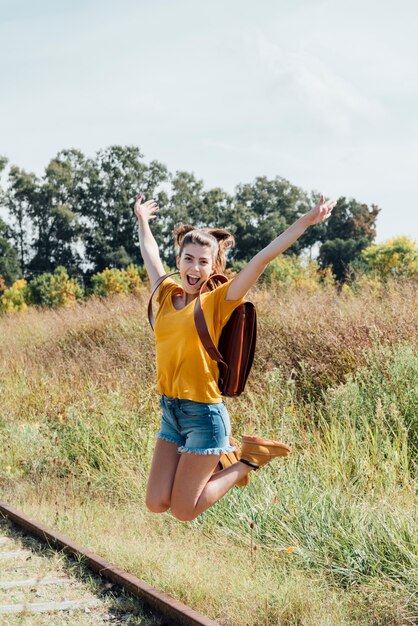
17,200
13,299
55,216
9,265
3,162
349,230
263,210
54,289
113,180
395,258
44,223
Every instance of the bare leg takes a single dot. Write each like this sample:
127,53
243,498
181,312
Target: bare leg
161,478
196,488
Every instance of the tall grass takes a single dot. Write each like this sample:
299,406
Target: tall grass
327,537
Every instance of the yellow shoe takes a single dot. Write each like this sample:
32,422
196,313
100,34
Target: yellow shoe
229,458
256,452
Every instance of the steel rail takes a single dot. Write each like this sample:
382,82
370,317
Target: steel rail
157,600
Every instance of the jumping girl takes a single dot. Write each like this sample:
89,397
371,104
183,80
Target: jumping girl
195,428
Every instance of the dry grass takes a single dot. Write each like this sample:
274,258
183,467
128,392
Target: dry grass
314,339
212,574
317,339
77,421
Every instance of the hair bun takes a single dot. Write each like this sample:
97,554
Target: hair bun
225,238
180,231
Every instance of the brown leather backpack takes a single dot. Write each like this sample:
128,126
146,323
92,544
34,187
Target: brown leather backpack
235,351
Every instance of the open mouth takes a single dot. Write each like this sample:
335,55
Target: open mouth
192,280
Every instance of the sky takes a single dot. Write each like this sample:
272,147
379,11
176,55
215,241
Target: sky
323,93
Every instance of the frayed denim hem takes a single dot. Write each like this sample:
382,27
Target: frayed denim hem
223,450
168,438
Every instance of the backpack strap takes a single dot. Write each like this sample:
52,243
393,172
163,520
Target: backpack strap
201,325
158,282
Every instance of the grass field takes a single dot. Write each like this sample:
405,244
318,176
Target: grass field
326,537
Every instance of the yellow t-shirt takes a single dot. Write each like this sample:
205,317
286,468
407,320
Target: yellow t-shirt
184,368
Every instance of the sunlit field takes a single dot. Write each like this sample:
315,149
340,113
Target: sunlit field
326,537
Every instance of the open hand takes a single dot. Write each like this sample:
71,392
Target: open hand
322,211
145,211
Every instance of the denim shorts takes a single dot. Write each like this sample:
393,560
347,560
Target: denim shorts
195,427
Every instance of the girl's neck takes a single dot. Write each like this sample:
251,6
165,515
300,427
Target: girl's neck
183,299
188,297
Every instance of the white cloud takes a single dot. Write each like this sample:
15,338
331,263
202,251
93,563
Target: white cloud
333,100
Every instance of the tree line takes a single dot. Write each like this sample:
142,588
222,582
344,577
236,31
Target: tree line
79,214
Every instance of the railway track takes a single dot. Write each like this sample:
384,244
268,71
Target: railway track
55,593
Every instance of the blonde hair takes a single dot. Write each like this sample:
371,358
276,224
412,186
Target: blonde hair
217,239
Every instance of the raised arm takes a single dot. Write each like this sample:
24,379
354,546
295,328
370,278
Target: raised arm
149,248
250,273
